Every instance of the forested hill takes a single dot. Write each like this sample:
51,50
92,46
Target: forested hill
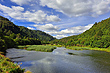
8,28
97,36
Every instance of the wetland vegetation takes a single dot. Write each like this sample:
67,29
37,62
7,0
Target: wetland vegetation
88,48
6,66
42,48
11,35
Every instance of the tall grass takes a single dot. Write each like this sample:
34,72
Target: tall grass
22,46
43,48
6,66
88,48
57,45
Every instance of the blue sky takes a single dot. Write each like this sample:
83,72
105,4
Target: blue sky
59,18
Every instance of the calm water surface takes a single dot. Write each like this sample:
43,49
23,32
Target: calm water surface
59,61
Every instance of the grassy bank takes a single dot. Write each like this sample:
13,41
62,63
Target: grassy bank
88,48
22,46
42,48
6,66
56,45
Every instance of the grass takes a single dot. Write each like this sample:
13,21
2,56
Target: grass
42,48
57,45
6,66
22,46
2,52
28,72
88,48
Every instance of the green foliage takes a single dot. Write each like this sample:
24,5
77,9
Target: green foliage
8,28
6,66
97,36
43,48
9,42
2,45
12,35
88,48
29,41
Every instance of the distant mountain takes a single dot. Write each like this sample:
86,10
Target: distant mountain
8,28
97,36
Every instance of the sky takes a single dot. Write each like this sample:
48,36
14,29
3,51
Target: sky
59,18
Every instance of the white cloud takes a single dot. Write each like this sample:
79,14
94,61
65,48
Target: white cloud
17,8
21,2
37,17
78,7
47,27
54,30
31,28
60,36
101,8
18,13
71,31
52,18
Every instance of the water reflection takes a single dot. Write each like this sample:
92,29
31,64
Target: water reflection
59,61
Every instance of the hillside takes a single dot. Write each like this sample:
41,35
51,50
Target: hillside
8,28
12,35
97,36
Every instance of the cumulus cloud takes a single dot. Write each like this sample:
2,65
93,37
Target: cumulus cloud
17,12
60,36
78,7
17,8
54,30
31,28
72,30
21,2
52,18
47,27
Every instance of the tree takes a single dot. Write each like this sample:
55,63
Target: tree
13,35
3,46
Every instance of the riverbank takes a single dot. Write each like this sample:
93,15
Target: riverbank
87,48
42,48
7,66
59,61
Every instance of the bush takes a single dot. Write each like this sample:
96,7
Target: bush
6,66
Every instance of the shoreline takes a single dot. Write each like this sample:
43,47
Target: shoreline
7,66
41,48
84,48
10,66
88,48
67,47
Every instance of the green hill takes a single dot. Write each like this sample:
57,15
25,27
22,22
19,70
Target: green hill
97,36
12,35
8,28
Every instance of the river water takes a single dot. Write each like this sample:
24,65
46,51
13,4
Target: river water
59,61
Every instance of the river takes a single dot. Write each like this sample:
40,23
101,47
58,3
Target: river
59,61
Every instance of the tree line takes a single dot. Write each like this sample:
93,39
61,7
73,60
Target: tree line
97,36
12,35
